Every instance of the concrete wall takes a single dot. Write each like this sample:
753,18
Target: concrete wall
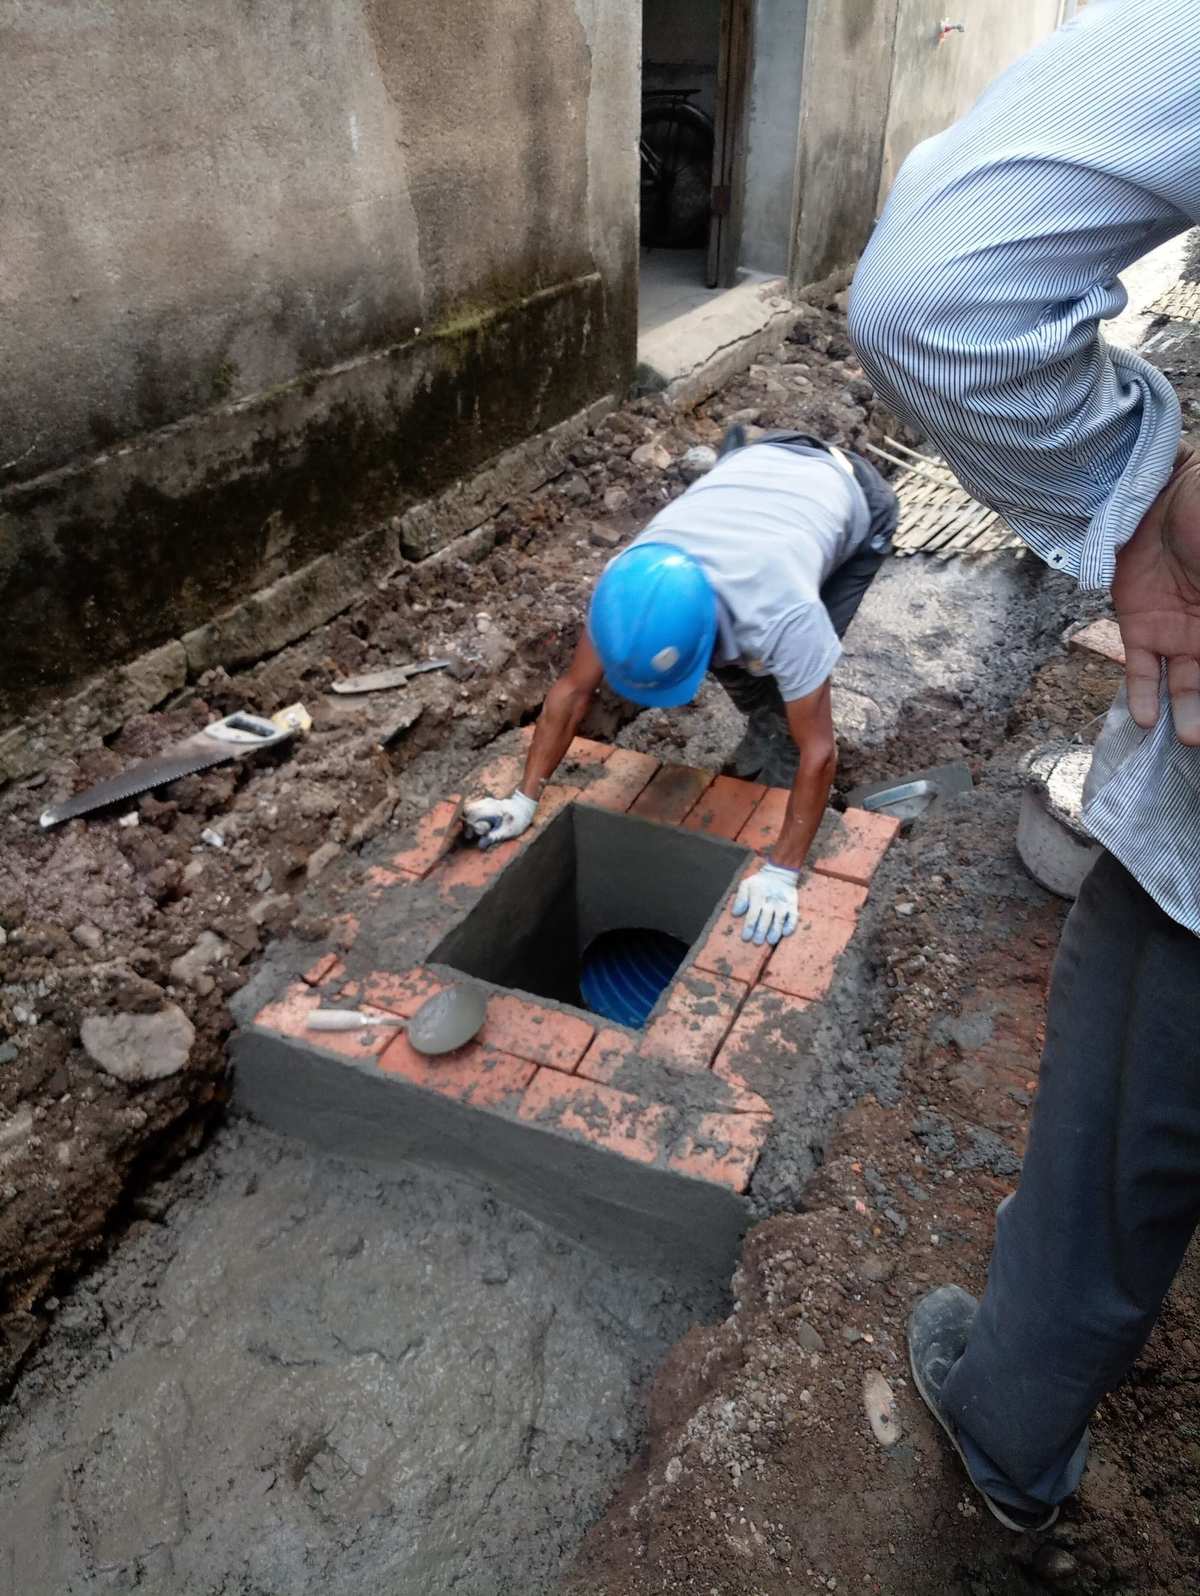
274,271
772,134
876,84
934,85
847,78
681,46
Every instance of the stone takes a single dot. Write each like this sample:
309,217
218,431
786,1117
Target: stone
191,968
8,1052
1054,1564
575,488
808,1338
87,936
15,1132
267,908
615,499
320,861
604,537
697,462
880,1404
139,1047
652,455
876,1269
906,909
750,417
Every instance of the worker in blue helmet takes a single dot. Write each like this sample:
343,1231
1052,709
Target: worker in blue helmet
752,575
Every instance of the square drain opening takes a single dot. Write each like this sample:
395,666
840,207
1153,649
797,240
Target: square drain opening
590,875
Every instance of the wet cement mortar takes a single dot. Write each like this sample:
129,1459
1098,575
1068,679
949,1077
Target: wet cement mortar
365,1321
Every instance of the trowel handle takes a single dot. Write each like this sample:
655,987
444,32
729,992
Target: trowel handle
346,1020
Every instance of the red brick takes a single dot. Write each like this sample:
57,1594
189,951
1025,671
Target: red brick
804,963
475,867
724,951
722,1148
554,798
700,1009
497,777
597,1114
477,1075
761,831
610,1052
317,974
724,809
825,897
288,1016
851,846
434,833
586,751
672,794
765,1043
1102,637
529,1030
379,879
397,994
626,773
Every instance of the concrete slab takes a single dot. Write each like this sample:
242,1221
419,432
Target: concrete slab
690,334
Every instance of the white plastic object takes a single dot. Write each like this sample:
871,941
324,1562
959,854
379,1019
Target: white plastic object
347,1020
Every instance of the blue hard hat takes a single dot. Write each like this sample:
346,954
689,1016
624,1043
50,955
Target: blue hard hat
653,622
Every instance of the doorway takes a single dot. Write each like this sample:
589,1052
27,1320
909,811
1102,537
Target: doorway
721,86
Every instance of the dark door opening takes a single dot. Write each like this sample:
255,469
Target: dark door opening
683,106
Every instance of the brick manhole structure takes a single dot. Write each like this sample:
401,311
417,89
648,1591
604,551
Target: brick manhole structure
642,1142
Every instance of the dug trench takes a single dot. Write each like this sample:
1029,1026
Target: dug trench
263,1371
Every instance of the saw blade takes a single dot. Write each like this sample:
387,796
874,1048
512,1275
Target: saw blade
196,753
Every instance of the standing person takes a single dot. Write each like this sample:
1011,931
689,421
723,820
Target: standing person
976,308
755,573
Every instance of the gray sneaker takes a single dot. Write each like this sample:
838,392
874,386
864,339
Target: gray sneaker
938,1328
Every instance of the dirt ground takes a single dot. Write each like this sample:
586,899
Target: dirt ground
759,1475
169,909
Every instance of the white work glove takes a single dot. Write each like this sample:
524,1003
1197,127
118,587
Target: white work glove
495,820
770,903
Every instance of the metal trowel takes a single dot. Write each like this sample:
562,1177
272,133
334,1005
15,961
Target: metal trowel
230,738
379,681
907,798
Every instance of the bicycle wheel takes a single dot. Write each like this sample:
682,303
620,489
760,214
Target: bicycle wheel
677,186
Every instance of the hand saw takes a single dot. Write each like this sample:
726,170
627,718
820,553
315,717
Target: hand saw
230,738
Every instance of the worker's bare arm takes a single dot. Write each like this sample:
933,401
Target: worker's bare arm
810,721
494,820
566,705
770,900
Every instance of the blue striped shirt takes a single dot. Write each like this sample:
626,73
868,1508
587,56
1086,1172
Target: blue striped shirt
976,310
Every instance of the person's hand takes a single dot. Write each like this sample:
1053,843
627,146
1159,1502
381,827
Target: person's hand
496,820
771,904
1156,595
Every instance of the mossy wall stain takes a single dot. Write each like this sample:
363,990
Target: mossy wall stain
96,577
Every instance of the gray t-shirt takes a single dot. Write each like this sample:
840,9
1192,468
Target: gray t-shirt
769,524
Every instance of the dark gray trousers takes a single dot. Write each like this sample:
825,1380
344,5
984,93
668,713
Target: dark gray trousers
1109,1196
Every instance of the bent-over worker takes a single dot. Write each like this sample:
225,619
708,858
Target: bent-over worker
754,573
